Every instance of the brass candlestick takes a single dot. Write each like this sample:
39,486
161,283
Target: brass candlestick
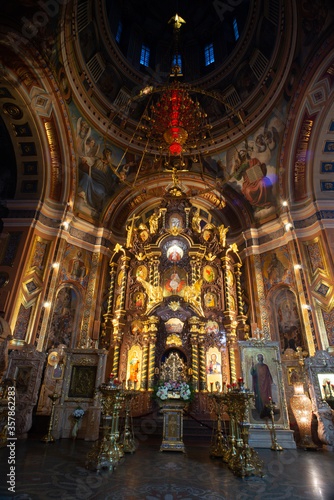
48,438
128,439
107,452
274,446
218,447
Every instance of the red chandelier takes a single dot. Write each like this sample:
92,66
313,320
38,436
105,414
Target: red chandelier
176,120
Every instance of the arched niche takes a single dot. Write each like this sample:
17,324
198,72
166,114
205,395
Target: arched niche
286,319
65,317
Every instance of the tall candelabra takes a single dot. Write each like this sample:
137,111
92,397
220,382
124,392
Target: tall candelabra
127,439
219,446
48,438
274,444
107,452
239,456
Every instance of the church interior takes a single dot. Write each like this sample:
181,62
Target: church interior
166,248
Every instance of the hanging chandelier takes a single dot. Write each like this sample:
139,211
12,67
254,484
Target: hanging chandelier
176,121
174,125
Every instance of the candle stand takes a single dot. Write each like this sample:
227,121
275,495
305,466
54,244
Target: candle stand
239,456
219,446
48,438
127,438
274,446
107,452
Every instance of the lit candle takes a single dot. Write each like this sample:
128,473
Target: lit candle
324,386
224,386
211,386
135,384
240,380
129,384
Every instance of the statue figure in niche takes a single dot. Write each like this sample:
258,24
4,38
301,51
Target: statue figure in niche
222,234
154,222
196,222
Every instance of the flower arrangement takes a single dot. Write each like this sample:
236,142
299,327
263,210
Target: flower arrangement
78,413
174,389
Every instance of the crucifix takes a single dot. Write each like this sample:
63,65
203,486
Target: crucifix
129,229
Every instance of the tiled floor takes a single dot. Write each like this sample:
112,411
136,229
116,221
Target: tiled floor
57,471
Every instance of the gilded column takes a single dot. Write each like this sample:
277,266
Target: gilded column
153,321
198,269
144,372
156,272
202,365
194,350
108,315
125,264
116,347
226,285
151,273
187,211
242,328
237,273
193,270
163,212
231,346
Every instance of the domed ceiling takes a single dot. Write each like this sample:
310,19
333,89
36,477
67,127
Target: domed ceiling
239,62
237,90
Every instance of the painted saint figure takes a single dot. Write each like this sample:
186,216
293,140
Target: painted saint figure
262,381
214,366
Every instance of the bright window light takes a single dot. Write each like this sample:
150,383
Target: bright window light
145,56
177,60
236,31
209,55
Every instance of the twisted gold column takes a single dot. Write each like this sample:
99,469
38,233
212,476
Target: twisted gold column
113,266
125,265
194,350
202,370
115,361
233,371
237,273
144,366
226,286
